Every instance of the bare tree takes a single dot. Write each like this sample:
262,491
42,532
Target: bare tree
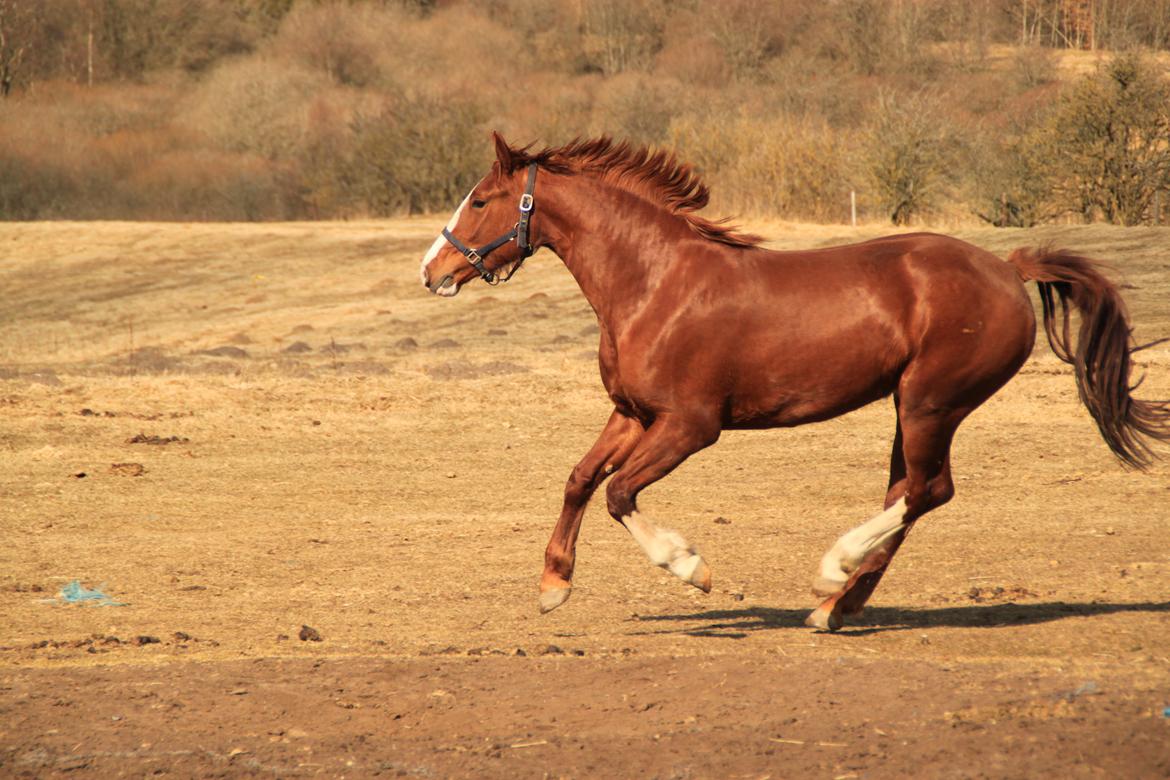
12,44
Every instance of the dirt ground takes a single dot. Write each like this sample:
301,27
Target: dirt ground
320,497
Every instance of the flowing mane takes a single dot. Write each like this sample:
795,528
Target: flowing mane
657,176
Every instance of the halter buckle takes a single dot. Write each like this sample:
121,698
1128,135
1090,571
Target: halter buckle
526,203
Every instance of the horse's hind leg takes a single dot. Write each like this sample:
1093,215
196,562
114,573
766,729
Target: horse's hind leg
863,554
845,557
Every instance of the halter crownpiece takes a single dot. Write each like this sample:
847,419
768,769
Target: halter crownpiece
519,232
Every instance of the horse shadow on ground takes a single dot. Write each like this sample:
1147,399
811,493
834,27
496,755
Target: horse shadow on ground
739,623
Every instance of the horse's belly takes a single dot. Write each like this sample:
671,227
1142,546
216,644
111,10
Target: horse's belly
824,388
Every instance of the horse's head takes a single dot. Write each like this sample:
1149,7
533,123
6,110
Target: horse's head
488,235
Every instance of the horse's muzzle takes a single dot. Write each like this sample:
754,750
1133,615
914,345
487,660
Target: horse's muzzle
444,281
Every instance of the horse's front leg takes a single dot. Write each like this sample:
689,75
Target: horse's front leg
607,454
668,442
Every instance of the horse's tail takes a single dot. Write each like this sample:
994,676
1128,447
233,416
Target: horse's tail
1102,350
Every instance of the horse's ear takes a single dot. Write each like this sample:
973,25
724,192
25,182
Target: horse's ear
503,152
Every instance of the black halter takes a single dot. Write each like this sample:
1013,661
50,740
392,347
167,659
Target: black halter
519,232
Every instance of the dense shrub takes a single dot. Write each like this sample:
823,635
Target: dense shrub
420,154
1109,142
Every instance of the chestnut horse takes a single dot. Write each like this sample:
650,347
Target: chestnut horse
703,330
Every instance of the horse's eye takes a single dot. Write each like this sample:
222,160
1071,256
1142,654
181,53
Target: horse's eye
478,204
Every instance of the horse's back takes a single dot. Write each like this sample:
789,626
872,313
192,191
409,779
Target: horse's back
821,332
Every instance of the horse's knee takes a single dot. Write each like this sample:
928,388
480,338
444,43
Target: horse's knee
580,486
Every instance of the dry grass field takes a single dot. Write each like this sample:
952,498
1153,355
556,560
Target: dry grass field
239,430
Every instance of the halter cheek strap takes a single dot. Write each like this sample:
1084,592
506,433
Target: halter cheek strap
519,232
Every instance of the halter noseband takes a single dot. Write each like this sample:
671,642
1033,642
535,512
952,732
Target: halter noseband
519,232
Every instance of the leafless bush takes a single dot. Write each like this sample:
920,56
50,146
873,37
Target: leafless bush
908,148
636,108
33,186
877,36
747,33
340,39
256,106
208,185
790,167
1033,66
620,35
1012,186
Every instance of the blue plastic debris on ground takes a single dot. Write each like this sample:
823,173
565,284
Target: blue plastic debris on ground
1166,713
76,593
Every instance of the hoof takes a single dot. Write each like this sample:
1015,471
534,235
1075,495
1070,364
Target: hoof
825,587
551,599
824,620
693,570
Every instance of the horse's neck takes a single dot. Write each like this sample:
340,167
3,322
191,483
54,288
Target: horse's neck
612,244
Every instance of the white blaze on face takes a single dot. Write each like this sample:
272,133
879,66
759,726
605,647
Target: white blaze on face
433,252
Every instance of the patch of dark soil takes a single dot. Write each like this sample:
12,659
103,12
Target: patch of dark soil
998,593
297,348
142,438
368,367
334,348
215,368
20,587
589,330
497,332
241,338
45,377
443,344
406,343
150,360
226,351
